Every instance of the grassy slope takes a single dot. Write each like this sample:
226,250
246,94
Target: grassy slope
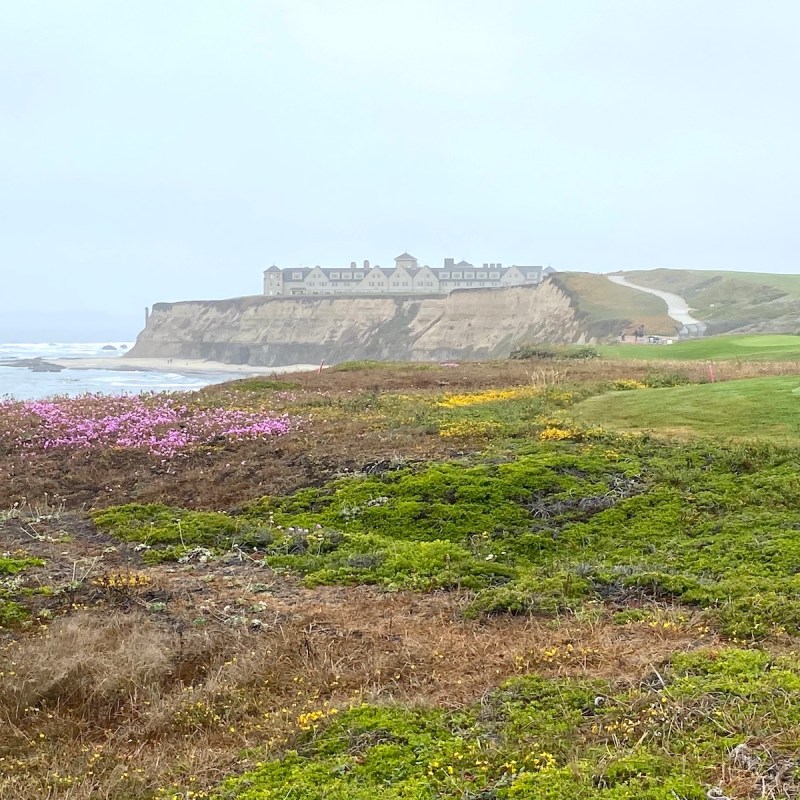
688,279
608,308
753,347
762,408
731,300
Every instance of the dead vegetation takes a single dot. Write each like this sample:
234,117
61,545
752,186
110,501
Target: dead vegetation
132,679
339,433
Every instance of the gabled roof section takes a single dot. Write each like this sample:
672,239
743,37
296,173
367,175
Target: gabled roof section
273,268
405,257
527,269
463,263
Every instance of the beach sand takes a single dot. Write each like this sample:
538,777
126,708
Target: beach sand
184,366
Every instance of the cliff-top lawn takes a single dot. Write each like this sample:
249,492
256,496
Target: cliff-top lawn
415,581
750,347
756,409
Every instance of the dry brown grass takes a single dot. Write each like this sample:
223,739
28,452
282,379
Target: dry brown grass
117,697
100,695
333,438
114,699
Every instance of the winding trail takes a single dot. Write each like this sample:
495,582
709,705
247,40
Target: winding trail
677,307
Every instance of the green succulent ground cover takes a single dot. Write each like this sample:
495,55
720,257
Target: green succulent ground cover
565,524
12,612
547,524
534,738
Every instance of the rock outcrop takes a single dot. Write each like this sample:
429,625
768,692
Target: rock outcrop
274,331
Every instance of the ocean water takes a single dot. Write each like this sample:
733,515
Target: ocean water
23,384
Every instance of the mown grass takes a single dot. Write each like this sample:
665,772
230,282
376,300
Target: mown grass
751,347
760,408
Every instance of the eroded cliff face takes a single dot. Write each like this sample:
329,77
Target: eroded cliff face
275,331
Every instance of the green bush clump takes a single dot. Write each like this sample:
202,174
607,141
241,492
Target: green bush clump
623,520
663,380
445,501
12,614
581,353
531,738
263,385
172,530
395,564
533,593
536,738
568,783
530,351
10,565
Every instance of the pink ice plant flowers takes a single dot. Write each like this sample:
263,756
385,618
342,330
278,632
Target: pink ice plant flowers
162,424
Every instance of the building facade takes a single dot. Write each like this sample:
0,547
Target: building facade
405,277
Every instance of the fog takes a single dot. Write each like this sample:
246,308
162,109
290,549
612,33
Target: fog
165,151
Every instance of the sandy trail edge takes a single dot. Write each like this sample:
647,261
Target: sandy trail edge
183,366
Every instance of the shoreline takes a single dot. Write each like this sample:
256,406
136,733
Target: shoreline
182,366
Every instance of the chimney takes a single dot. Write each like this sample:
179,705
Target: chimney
486,266
366,264
352,265
449,263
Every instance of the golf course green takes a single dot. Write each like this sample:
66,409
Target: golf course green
747,347
763,408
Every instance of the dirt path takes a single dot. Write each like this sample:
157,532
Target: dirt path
677,307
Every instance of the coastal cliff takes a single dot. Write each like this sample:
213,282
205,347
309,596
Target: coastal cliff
274,331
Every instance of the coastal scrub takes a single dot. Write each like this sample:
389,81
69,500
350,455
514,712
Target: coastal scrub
159,423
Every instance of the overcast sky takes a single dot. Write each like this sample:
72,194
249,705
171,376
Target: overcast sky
172,149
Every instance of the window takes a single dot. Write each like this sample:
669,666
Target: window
495,276
358,275
481,276
531,277
297,276
334,276
346,276
457,276
298,291
470,276
445,276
